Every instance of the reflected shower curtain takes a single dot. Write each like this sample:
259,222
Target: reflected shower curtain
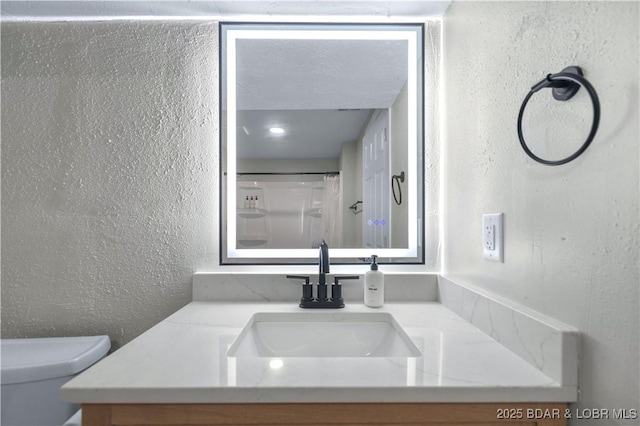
332,211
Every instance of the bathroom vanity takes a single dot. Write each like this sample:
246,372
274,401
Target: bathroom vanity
188,370
389,414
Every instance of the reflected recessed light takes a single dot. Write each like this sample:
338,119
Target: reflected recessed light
276,130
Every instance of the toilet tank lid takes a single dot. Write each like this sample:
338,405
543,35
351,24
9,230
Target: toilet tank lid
29,360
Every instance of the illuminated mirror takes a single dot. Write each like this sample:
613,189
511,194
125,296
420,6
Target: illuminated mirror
321,139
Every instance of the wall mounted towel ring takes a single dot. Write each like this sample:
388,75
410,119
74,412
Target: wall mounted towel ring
564,85
397,180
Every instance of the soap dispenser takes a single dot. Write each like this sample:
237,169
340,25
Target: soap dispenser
374,285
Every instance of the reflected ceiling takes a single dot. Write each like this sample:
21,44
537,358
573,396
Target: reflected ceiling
307,133
320,74
319,91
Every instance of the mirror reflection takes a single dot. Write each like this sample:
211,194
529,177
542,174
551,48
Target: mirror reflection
321,128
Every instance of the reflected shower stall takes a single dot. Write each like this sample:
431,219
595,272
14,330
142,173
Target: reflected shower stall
289,210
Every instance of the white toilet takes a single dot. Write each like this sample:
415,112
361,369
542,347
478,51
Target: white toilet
33,371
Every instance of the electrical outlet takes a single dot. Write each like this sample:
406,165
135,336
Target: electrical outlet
489,237
492,237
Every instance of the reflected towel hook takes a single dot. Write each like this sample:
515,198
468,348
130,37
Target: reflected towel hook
354,207
565,85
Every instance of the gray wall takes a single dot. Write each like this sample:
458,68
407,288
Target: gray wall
109,157
399,162
571,232
351,169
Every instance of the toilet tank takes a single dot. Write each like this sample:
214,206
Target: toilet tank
33,370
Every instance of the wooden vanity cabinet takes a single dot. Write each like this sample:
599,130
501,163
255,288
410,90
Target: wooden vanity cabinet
310,414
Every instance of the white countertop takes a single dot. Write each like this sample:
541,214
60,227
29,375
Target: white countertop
183,360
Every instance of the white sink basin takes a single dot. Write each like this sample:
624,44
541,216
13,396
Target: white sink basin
323,334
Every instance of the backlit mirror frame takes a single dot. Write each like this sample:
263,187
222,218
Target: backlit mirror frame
413,34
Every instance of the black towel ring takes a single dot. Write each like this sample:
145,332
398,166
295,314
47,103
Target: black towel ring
564,85
396,180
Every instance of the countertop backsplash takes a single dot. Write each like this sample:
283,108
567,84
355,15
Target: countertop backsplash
256,287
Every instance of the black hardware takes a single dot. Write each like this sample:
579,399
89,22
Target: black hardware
324,263
322,293
354,207
563,90
322,301
397,179
336,288
564,85
307,288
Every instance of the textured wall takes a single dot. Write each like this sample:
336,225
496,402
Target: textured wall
571,232
109,147
109,173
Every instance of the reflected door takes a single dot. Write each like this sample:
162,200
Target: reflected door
376,208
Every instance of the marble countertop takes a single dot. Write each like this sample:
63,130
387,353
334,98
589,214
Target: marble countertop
183,359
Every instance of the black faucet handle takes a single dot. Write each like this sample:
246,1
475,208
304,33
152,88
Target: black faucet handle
300,277
307,288
336,288
337,278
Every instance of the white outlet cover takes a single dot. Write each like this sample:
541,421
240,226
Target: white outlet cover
492,237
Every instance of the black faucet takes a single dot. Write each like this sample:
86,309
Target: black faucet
324,264
321,301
